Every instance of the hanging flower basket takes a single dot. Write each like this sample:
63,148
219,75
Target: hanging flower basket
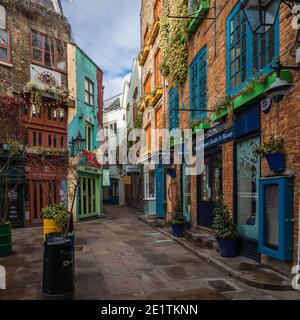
276,161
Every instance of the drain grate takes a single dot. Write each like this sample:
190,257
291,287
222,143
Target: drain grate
221,285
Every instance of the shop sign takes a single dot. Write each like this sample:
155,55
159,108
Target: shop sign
218,135
106,178
89,169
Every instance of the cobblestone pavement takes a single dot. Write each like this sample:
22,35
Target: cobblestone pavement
120,257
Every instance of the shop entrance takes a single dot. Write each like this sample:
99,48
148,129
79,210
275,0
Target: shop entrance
87,197
209,186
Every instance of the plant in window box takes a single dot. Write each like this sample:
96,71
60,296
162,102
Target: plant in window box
225,231
273,151
178,220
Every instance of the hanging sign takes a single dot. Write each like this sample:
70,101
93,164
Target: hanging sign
106,178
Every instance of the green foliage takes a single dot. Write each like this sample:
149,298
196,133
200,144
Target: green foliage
223,225
3,221
177,217
174,53
138,121
274,145
57,212
260,79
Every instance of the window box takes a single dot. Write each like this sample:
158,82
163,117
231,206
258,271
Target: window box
256,94
154,32
144,55
217,117
202,11
202,126
157,96
258,91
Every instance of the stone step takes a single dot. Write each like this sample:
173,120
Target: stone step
202,238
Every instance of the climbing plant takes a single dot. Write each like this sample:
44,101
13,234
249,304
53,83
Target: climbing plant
174,63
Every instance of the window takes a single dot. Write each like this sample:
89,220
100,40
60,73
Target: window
194,5
49,140
157,10
62,114
148,137
173,109
248,53
55,141
198,85
48,51
159,126
4,46
34,139
89,92
115,128
149,178
89,137
37,139
158,79
36,112
147,85
62,142
146,38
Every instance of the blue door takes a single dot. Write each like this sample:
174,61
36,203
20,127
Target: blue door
160,191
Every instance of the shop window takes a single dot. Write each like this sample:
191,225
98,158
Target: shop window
157,10
248,53
158,78
173,109
149,178
4,46
89,92
247,177
198,85
48,51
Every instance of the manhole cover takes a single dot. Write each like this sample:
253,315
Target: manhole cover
221,285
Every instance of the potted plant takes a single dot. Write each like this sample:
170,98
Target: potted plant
178,221
273,151
5,237
55,219
225,231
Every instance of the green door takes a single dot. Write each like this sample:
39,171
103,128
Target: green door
88,197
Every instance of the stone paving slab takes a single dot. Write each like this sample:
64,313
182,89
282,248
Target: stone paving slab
120,257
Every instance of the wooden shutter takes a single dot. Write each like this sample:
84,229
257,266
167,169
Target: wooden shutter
147,85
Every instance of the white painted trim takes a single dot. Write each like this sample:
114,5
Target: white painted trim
6,64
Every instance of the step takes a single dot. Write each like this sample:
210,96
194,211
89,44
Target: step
202,237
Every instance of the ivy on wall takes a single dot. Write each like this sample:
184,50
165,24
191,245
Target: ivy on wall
174,62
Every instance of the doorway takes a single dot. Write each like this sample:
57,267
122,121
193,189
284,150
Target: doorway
209,186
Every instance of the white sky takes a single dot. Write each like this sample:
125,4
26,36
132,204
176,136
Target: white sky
108,31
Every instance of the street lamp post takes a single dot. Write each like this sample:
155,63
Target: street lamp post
77,145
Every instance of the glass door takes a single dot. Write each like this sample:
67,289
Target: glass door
209,189
247,178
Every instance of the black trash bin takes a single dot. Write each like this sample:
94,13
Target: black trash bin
58,269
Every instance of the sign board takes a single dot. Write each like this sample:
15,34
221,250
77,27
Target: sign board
106,178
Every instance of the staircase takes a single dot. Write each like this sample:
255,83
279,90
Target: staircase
202,237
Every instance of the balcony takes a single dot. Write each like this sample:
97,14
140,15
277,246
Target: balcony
198,16
144,55
154,32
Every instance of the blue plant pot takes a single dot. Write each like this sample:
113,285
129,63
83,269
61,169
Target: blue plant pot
178,230
276,161
229,248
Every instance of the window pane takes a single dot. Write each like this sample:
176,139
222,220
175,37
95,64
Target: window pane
37,40
60,48
37,55
271,217
151,184
49,45
3,37
61,63
3,54
49,60
87,98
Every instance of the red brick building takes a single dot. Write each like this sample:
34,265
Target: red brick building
33,65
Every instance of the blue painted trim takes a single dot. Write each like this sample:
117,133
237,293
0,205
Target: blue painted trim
160,190
195,115
285,231
249,52
173,104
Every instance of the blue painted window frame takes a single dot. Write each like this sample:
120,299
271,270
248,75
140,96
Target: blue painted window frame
173,106
247,45
285,224
198,85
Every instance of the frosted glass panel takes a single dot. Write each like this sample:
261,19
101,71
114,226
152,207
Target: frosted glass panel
271,216
248,173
